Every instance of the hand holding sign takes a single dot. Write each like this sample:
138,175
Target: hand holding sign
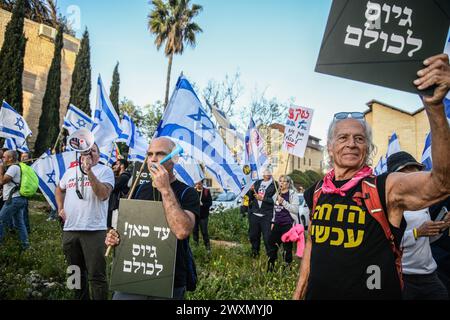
436,73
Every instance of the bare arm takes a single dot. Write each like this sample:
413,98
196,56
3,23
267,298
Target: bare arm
414,191
60,195
101,190
181,222
4,178
302,282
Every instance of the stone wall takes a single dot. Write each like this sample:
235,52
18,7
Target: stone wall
38,58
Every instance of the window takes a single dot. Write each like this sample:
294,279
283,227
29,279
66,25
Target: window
304,161
310,162
298,163
208,183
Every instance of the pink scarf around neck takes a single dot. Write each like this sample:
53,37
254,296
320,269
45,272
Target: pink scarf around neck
328,186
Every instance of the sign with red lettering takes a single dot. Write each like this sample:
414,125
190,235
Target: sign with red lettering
296,132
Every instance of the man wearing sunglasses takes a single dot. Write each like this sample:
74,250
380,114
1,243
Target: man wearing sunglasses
351,252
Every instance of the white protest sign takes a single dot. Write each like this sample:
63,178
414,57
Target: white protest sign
297,129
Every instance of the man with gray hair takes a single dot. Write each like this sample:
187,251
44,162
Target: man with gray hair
353,246
260,212
14,206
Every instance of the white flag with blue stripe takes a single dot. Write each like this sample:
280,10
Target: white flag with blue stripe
134,138
188,170
13,125
187,123
379,168
76,119
106,128
255,155
426,154
11,144
108,154
393,146
50,169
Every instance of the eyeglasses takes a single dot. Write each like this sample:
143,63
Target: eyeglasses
346,115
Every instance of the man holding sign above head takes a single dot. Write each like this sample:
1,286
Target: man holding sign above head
181,206
353,246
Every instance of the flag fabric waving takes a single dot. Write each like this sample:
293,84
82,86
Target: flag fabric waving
50,169
106,128
13,125
11,144
187,123
255,156
76,119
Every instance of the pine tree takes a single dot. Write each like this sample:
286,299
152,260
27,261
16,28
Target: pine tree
49,120
114,90
81,77
11,59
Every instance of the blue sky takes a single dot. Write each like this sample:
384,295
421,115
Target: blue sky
274,45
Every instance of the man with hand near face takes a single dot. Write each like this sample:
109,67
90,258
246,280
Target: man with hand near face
82,198
181,206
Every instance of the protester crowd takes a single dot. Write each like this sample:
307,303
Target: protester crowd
370,237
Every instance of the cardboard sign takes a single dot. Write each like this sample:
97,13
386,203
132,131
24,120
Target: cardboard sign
383,42
144,262
296,132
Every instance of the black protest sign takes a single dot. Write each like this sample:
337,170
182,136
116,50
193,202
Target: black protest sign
144,262
383,42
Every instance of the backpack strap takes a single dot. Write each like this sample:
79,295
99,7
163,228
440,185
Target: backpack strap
316,196
373,203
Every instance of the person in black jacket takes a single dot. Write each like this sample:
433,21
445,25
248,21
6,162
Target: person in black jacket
201,222
260,212
122,176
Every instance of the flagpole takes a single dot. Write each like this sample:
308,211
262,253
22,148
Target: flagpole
131,193
57,140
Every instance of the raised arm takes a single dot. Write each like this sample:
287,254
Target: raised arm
181,222
414,191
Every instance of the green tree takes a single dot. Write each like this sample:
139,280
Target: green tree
114,90
171,23
49,120
81,77
11,59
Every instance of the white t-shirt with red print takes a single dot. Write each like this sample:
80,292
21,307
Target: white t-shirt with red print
89,213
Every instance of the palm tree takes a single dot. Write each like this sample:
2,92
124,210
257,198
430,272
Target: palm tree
172,24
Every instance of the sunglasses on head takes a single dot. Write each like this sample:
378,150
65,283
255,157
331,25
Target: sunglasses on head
347,115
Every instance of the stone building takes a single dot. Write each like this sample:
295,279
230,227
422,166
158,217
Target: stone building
411,128
38,58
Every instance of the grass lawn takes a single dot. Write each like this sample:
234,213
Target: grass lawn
227,273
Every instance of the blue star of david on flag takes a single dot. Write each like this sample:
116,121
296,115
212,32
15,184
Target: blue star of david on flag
20,124
51,177
81,123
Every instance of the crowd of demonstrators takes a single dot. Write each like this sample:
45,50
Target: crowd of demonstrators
357,223
420,278
14,204
181,207
82,198
201,221
122,176
285,216
260,212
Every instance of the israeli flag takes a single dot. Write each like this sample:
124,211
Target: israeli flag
393,146
255,156
187,123
106,128
426,154
13,125
188,170
379,168
11,144
134,138
76,119
108,154
50,169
